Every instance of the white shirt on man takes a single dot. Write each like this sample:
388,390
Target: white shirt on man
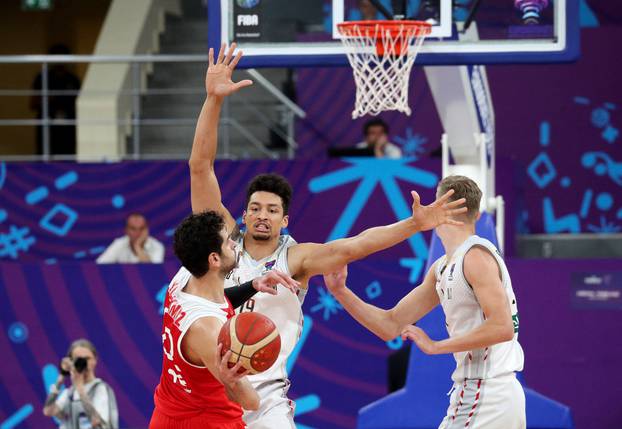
391,151
120,252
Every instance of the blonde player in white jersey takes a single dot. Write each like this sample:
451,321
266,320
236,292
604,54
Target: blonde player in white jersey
472,284
263,248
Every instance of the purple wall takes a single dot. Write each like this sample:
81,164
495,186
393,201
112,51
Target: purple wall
571,355
558,124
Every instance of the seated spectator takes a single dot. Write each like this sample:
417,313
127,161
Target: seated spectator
89,402
135,246
376,138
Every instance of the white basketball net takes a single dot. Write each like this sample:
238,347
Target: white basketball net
382,79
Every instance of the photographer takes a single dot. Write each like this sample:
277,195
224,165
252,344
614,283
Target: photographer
89,402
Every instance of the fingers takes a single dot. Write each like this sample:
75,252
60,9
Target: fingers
457,203
224,359
243,373
221,54
236,60
453,222
210,57
407,335
234,369
285,280
444,197
229,54
410,332
457,211
416,198
265,288
242,84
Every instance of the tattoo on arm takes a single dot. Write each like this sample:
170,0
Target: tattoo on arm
91,412
51,399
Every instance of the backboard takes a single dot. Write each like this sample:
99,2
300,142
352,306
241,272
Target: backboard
275,33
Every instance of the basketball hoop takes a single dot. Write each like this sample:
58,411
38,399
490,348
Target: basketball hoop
382,54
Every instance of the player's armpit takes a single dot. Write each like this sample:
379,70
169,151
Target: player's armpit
308,259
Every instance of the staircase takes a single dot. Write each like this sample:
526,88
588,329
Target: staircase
187,34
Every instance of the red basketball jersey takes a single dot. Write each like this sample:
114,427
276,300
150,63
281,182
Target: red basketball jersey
186,390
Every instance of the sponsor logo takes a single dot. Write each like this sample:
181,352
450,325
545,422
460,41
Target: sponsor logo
248,20
515,323
269,265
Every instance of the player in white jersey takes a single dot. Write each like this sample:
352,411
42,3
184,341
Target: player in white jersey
472,284
263,248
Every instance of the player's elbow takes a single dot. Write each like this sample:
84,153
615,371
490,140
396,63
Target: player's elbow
387,335
48,411
389,329
199,167
506,332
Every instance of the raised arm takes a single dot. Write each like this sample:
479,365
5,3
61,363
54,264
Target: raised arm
482,273
309,259
204,189
386,324
201,341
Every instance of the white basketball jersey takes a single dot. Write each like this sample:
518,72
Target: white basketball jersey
284,308
463,314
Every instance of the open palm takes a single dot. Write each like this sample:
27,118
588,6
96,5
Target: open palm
218,81
439,212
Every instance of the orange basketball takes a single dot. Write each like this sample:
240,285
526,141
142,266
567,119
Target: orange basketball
253,340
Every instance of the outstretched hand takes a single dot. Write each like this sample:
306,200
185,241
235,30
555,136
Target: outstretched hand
439,212
218,81
270,280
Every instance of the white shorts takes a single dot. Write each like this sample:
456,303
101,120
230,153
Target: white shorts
275,409
494,403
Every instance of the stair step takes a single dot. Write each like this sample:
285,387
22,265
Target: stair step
188,35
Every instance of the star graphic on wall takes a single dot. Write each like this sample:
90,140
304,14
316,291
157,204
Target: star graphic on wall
371,172
326,302
412,144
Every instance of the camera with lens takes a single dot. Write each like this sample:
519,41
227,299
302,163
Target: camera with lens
79,364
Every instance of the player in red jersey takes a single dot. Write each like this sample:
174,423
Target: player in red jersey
197,389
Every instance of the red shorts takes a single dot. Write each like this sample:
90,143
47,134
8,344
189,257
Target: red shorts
162,421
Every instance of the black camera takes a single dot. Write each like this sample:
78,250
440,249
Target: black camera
80,364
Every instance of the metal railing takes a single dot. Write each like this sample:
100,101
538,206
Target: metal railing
286,109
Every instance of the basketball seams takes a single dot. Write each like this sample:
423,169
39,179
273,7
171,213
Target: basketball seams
246,354
248,332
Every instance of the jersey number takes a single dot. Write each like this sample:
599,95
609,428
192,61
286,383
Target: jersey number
248,306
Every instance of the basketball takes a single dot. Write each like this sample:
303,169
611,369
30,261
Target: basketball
253,340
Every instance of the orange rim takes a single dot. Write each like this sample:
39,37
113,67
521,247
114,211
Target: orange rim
394,27
368,29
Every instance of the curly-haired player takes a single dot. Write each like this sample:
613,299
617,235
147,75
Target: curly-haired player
263,248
